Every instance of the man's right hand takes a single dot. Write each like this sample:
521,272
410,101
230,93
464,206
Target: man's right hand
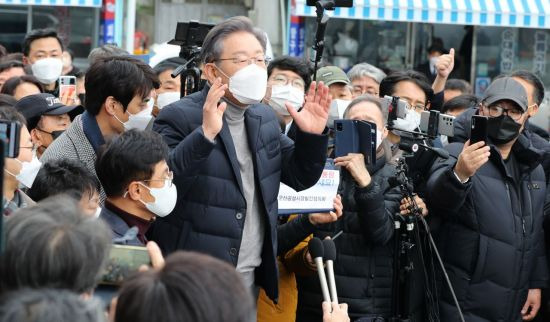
212,113
355,164
334,312
471,159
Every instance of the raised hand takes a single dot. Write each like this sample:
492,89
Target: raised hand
314,114
445,64
406,204
212,113
471,159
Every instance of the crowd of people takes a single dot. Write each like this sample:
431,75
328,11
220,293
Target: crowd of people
194,181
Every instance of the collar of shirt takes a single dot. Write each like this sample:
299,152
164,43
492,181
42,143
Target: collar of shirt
131,220
92,131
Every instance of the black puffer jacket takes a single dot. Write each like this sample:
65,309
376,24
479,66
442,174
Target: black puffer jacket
491,238
364,263
211,209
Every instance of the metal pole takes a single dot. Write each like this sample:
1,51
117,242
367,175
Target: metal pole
130,26
474,58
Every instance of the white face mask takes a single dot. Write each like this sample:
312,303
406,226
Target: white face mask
249,84
47,70
336,110
165,199
433,63
378,138
138,121
164,99
281,94
410,123
29,171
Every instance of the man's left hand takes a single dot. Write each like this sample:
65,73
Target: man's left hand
532,305
314,115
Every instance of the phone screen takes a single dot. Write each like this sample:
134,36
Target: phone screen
123,261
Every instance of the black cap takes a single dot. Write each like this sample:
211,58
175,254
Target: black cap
506,88
34,106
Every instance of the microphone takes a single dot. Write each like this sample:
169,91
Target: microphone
316,250
330,257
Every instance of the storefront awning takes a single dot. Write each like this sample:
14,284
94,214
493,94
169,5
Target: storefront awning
67,3
505,13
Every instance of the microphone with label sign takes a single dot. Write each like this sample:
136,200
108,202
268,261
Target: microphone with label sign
329,257
316,250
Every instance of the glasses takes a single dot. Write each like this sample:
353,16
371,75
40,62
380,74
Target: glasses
419,108
169,178
357,91
243,61
498,110
284,80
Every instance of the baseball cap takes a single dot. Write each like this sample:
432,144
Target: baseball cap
332,75
506,88
34,106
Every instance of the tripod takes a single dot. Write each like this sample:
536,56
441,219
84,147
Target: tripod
407,237
189,73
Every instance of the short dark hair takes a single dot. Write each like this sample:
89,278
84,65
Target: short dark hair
7,100
120,77
63,176
436,47
105,51
3,51
9,64
190,287
213,42
11,84
49,305
461,102
39,34
299,66
387,86
53,245
13,56
459,85
535,81
131,156
9,113
168,64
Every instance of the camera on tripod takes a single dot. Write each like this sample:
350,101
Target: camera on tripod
189,36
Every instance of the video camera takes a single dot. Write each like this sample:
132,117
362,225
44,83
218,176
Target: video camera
189,36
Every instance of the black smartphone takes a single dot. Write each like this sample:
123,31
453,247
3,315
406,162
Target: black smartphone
9,136
355,136
478,129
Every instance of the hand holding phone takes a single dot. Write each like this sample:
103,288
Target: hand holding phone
123,261
67,90
478,129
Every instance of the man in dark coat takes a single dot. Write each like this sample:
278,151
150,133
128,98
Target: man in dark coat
490,196
229,157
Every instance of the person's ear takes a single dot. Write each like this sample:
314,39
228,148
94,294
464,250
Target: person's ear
385,132
532,110
210,72
26,60
36,137
110,105
134,190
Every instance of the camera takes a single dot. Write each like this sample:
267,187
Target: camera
190,34
330,5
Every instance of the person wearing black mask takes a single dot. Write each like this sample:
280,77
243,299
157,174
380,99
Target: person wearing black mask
490,197
46,118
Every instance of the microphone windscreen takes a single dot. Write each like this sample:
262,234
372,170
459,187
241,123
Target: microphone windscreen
329,250
315,247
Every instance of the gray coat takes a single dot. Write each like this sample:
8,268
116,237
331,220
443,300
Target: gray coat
73,144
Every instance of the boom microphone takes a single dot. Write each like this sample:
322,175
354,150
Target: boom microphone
316,250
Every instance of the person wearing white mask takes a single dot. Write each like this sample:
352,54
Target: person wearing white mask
429,68
229,157
118,98
414,89
43,51
170,88
133,171
288,78
20,171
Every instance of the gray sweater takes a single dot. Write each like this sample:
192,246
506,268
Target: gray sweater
254,223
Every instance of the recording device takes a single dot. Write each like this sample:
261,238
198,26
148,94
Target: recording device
189,36
478,129
329,257
124,260
316,249
330,5
9,134
355,136
67,87
433,123
396,107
